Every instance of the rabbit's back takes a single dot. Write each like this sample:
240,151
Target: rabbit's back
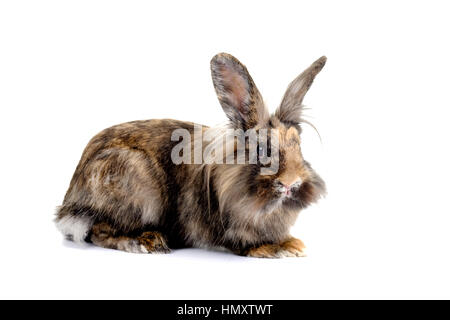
124,178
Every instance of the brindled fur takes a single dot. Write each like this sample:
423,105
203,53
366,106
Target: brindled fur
127,194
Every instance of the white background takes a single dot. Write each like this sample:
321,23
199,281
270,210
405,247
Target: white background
69,69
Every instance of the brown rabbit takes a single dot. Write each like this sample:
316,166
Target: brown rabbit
128,194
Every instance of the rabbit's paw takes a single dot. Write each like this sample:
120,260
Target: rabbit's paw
154,242
290,248
293,248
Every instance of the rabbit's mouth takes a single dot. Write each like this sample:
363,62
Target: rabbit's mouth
284,192
305,194
280,199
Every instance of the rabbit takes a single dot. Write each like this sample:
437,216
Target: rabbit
128,194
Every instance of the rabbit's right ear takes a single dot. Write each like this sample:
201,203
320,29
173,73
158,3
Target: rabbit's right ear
237,93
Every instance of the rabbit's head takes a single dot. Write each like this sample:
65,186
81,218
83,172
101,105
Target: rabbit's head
293,184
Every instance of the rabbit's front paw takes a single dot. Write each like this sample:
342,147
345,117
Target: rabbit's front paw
290,248
154,242
293,248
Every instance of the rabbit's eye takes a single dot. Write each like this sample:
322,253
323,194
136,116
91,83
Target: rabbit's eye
263,151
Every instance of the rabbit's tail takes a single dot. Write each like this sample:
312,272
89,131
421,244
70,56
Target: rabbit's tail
73,224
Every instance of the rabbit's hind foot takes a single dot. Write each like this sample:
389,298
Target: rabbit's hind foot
103,235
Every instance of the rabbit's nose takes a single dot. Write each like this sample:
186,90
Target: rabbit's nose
287,188
292,183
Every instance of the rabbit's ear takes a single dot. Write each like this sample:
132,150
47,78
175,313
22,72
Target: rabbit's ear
237,93
290,108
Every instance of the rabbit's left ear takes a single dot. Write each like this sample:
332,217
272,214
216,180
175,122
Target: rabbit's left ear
237,93
290,108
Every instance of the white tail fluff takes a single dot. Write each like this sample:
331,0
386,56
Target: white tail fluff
74,228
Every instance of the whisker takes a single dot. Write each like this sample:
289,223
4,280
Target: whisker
314,127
